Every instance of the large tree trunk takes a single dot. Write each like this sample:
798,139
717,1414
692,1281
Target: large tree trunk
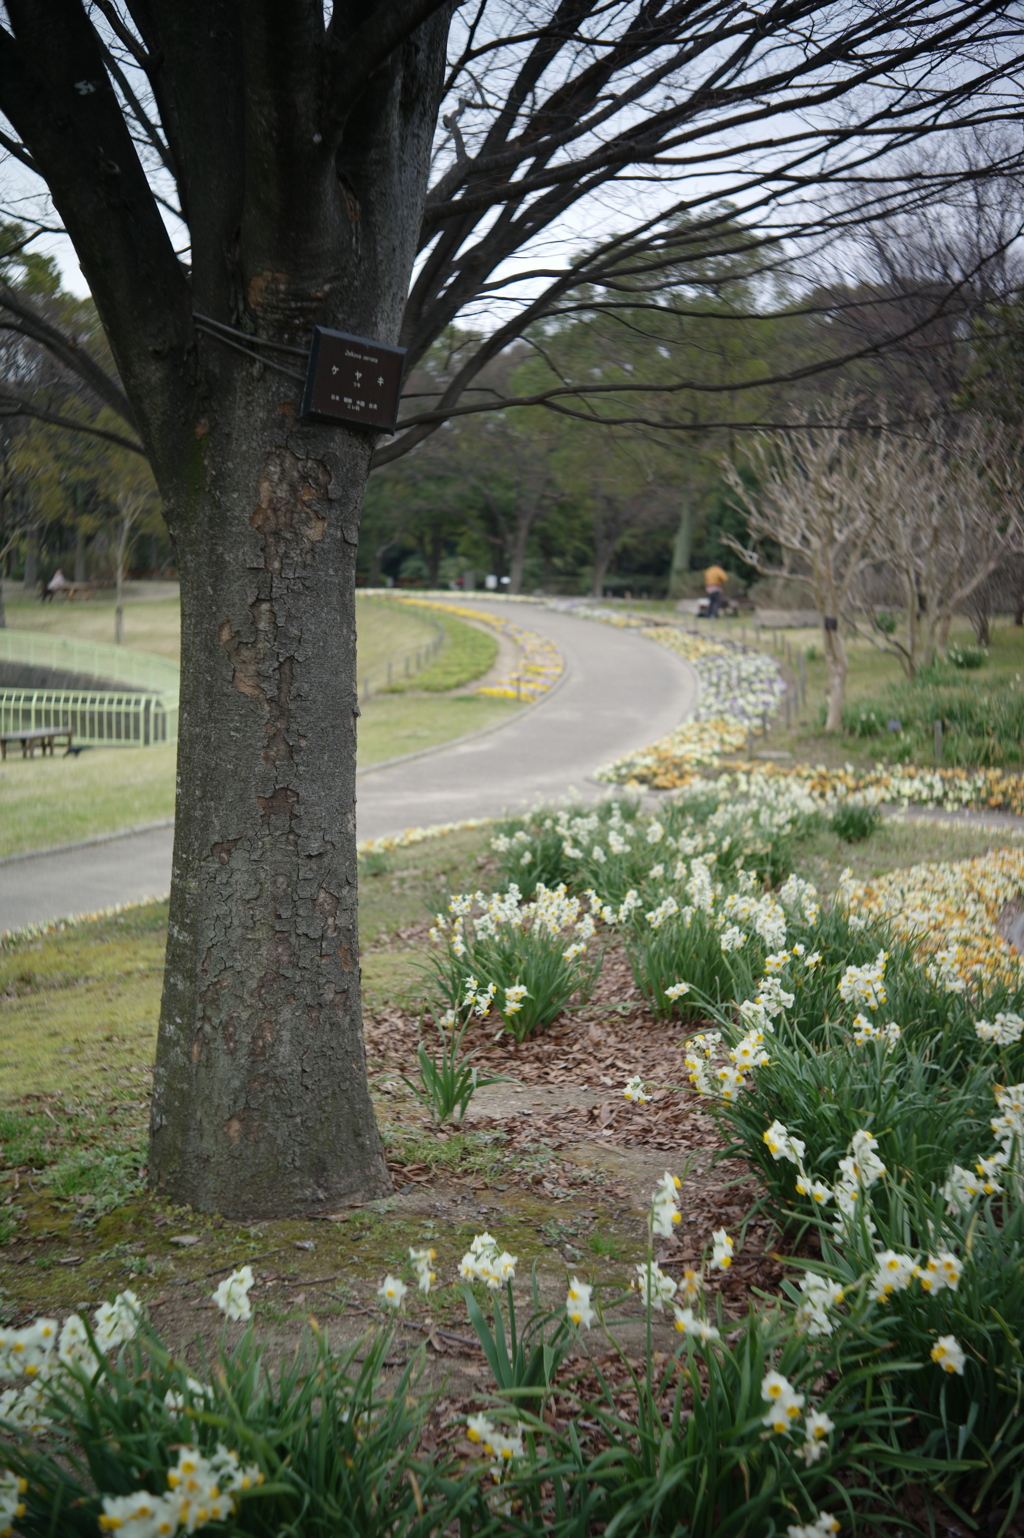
261,1104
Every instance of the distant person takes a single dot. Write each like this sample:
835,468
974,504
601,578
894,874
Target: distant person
714,581
55,584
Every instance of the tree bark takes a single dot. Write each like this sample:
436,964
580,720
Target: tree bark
261,1104
681,548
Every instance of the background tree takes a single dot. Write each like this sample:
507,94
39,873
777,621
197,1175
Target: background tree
948,508
811,495
223,197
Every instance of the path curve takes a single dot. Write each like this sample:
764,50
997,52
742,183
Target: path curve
619,692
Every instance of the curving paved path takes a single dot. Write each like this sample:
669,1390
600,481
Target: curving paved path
619,692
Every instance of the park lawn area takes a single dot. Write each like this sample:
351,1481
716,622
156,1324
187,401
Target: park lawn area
871,674
82,1003
78,1013
45,801
151,617
392,725
468,652
386,632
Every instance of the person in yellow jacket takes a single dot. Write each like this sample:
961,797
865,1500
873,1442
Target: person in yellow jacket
714,581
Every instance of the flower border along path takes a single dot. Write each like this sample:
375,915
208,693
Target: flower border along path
542,663
739,688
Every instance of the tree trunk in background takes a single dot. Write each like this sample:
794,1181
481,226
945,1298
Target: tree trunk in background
79,555
517,553
682,545
835,659
602,561
31,562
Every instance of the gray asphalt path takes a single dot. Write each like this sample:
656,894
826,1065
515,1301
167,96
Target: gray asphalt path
84,878
620,692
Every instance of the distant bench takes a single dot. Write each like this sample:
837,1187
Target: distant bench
30,740
70,591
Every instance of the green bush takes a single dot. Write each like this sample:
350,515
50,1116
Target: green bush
967,657
854,821
983,726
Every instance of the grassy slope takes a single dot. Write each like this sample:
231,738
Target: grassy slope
392,725
56,801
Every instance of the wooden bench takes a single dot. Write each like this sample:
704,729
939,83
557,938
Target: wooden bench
43,738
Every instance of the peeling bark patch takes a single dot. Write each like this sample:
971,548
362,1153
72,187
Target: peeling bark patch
346,956
233,1128
278,749
286,515
225,850
281,804
245,662
197,1048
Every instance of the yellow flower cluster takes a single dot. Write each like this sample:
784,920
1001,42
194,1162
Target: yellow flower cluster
411,836
950,910
541,664
914,785
672,762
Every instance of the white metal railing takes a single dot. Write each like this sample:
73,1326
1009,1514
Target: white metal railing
93,716
144,712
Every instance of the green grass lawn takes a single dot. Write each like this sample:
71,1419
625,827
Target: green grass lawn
151,617
56,800
394,724
386,632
